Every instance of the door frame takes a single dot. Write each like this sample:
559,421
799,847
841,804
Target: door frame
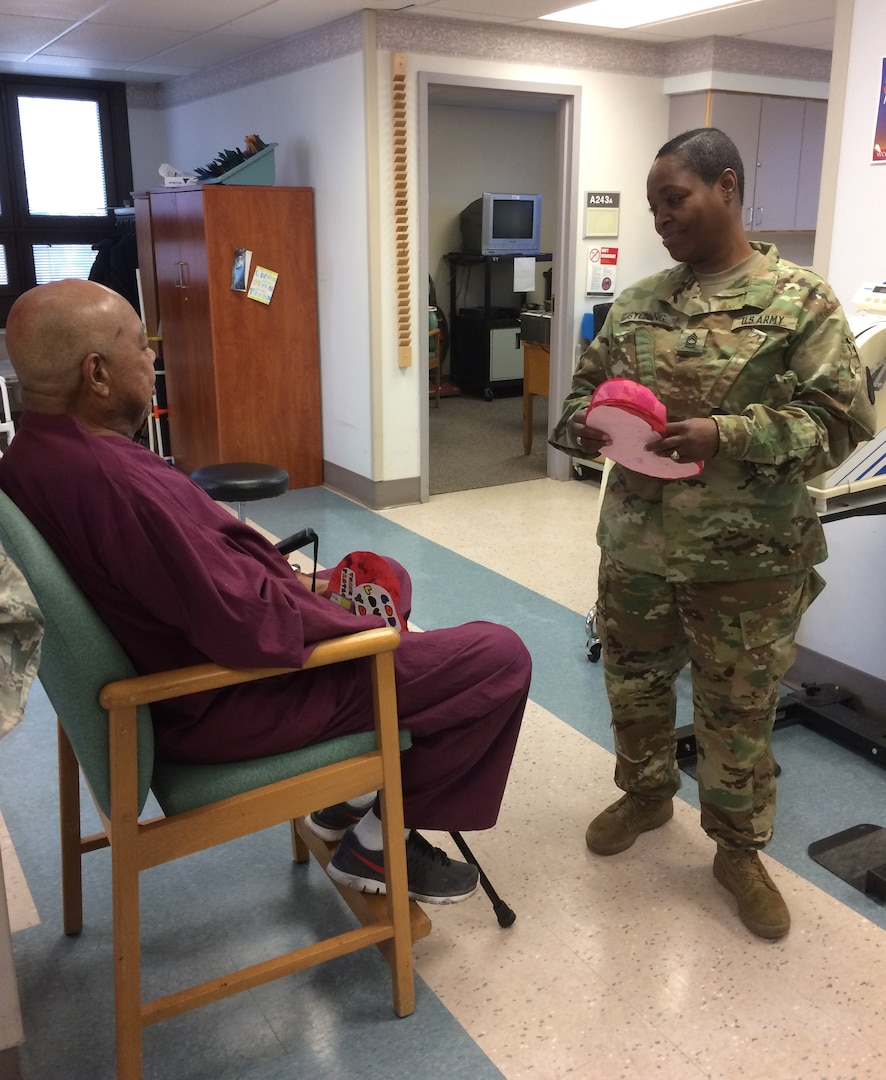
568,110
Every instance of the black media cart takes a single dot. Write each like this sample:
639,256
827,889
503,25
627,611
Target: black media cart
486,353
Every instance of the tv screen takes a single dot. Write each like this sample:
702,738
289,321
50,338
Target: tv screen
512,219
502,224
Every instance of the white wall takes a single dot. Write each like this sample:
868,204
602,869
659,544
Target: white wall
858,243
323,148
848,622
624,122
147,140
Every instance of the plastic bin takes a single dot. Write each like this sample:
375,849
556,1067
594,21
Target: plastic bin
258,169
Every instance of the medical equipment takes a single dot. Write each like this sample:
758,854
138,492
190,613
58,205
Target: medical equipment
865,468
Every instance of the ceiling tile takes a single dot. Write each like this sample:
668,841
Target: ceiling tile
755,18
286,18
21,34
818,34
516,10
213,48
190,16
96,41
70,10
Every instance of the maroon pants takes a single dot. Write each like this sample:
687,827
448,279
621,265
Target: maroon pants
460,692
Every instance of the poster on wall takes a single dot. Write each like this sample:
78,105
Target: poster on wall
602,267
879,157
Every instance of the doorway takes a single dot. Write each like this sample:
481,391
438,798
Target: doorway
490,135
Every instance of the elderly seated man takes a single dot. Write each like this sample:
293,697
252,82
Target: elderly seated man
180,581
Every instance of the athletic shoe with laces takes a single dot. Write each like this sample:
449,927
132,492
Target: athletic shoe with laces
333,822
432,876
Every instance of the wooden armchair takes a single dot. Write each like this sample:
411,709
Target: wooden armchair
104,728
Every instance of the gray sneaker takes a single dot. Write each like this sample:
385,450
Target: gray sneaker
432,876
620,824
331,823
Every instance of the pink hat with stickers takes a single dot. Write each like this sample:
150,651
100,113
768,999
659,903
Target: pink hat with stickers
368,582
634,418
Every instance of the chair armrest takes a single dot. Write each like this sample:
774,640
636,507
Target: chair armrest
144,689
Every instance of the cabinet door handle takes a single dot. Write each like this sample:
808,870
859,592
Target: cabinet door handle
758,223
183,275
749,217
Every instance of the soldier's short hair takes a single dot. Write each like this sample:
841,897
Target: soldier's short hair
706,152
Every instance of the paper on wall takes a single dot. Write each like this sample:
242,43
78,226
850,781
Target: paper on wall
524,274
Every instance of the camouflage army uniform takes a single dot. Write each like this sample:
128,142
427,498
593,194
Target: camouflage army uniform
717,569
21,628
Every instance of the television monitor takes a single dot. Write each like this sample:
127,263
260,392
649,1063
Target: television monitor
502,224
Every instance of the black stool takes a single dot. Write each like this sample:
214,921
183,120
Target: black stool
241,481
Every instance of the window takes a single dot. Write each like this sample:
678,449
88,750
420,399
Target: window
64,162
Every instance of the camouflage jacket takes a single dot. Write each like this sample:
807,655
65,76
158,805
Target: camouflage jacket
772,359
21,629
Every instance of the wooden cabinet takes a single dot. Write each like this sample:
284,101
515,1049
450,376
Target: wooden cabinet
242,377
781,143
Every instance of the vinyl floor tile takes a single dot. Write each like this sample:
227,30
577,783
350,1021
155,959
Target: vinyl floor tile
643,951
539,533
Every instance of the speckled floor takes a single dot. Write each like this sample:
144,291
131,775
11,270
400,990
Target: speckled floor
632,966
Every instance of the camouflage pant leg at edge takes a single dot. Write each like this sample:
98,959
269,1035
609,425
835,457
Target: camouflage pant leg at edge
741,642
643,651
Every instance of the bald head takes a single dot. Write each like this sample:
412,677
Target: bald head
79,348
51,329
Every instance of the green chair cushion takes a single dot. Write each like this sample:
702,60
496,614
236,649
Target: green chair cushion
179,787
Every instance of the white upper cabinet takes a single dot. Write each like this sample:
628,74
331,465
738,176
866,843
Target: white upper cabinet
780,140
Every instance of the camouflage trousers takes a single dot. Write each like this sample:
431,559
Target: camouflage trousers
739,639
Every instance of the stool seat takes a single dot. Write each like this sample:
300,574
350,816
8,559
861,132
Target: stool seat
241,481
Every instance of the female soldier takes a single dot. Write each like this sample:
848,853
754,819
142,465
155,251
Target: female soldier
758,370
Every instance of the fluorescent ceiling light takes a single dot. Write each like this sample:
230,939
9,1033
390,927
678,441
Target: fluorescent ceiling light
622,14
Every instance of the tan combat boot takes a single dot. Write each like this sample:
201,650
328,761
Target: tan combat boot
760,904
620,824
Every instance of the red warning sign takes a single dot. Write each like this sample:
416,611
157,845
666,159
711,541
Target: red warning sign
602,266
